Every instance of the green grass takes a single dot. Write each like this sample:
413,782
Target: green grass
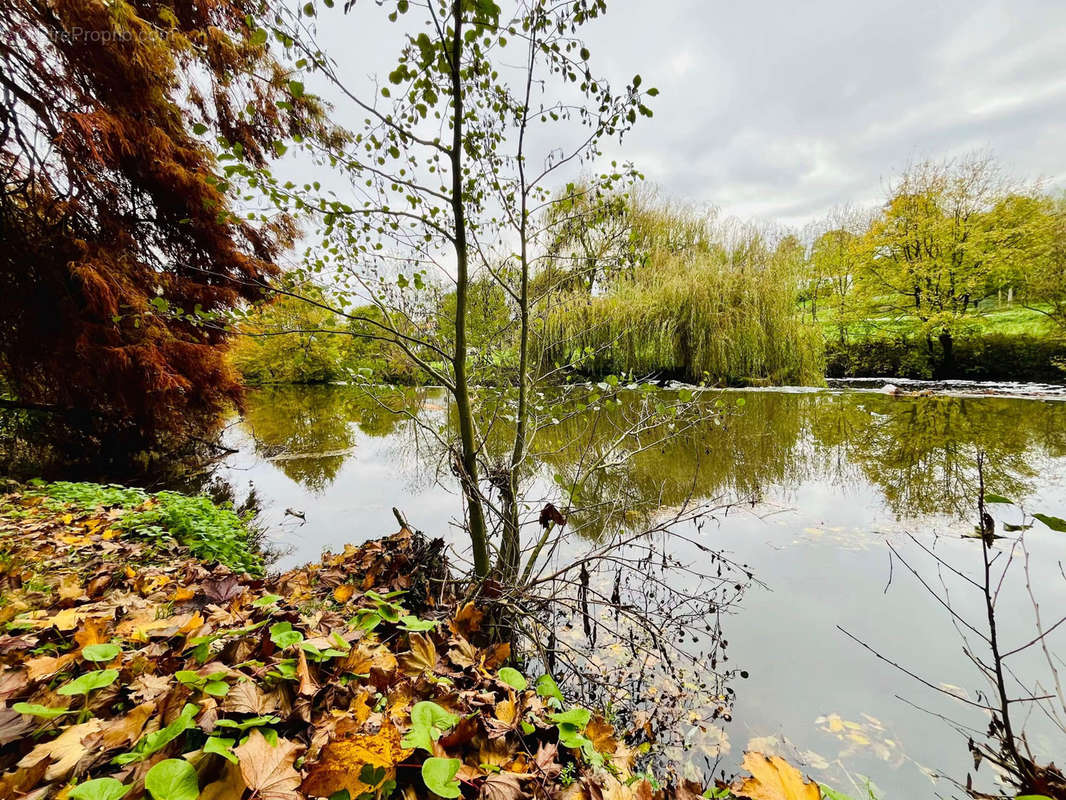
990,319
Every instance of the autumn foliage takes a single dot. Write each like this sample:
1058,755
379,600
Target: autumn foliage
117,233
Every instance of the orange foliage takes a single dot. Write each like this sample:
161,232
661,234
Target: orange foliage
108,199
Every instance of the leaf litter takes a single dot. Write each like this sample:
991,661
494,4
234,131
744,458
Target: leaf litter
132,668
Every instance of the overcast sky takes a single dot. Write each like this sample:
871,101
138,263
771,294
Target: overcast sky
778,110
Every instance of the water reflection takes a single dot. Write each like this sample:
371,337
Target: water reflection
918,451
849,471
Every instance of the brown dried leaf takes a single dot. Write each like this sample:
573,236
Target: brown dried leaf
467,621
65,751
502,786
422,656
268,771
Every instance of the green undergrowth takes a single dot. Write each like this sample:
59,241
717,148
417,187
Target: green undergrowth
213,533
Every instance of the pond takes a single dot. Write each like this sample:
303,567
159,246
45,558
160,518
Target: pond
836,500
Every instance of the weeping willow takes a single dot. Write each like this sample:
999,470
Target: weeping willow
722,315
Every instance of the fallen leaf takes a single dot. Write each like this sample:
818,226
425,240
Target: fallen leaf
65,751
502,786
773,778
342,762
343,593
230,786
421,657
467,621
268,771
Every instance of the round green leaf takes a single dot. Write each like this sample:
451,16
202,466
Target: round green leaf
439,776
100,652
513,678
99,789
172,779
83,684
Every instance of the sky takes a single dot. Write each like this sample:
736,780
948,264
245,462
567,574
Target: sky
778,110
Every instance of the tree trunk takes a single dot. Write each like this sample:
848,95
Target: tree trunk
947,355
475,509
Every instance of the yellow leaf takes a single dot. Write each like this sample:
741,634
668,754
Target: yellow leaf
343,593
773,778
343,759
230,786
505,712
183,593
110,534
421,657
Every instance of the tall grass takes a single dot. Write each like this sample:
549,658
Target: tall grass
720,307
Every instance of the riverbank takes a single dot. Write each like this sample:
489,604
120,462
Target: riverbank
131,666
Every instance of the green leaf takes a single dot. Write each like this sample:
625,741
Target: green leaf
83,684
1055,523
414,624
156,741
259,36
998,498
576,718
282,635
832,794
100,652
37,710
199,128
513,678
296,88
221,746
547,687
266,600
172,779
216,688
428,722
439,776
99,789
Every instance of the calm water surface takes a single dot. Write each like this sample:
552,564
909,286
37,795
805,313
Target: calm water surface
837,477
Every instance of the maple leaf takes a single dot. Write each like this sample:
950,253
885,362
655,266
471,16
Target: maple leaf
92,631
268,770
421,657
219,590
47,666
127,729
773,778
341,765
362,658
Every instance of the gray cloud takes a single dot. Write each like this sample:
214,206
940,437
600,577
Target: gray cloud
780,110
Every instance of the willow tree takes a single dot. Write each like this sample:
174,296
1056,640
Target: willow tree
112,207
448,179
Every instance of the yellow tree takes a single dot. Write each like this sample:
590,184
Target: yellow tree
934,252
